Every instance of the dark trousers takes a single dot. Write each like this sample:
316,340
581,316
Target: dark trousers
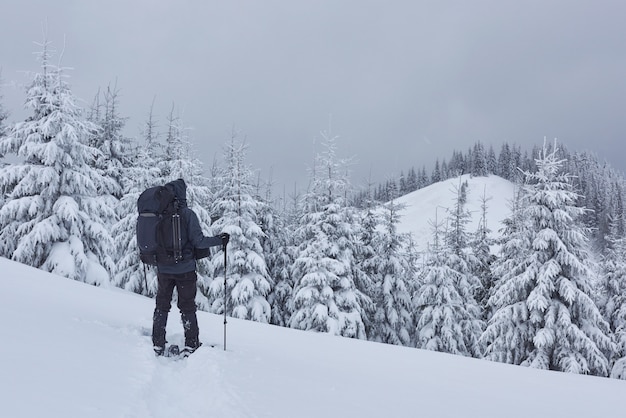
185,285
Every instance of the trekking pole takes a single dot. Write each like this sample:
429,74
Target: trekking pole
225,300
145,279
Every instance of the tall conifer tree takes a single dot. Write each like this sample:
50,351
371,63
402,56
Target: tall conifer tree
613,294
248,282
544,315
53,218
326,297
130,273
393,319
448,316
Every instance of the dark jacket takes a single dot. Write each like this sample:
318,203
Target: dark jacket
191,233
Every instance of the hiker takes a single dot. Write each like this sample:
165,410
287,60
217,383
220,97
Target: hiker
182,275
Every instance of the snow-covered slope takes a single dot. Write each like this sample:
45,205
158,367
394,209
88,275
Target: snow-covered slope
74,350
429,203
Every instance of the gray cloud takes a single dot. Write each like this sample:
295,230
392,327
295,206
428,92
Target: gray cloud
403,82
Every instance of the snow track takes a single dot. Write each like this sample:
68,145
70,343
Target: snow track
192,387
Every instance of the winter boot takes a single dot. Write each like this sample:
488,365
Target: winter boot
190,325
159,322
158,350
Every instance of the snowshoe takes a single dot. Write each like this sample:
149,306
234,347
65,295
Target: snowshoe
170,351
187,351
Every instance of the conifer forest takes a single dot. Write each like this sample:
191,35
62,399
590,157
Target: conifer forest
547,290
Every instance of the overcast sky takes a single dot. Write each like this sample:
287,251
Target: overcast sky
400,82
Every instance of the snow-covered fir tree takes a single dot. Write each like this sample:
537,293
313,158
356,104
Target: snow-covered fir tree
118,167
368,258
463,259
544,315
448,316
436,175
514,245
285,254
130,273
177,163
613,294
479,160
53,218
363,282
200,196
278,247
326,298
4,129
602,189
481,248
282,292
393,320
492,161
4,115
506,164
114,146
248,283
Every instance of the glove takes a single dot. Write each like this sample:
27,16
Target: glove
224,237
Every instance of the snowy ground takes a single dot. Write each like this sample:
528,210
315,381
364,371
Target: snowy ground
74,350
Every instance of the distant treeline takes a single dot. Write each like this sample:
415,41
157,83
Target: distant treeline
600,186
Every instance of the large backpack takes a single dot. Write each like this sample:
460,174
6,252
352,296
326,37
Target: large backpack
158,227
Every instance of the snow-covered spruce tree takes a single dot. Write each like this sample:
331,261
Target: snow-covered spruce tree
326,298
479,160
448,316
515,245
53,218
393,321
613,294
3,131
200,197
436,175
177,163
248,283
505,165
279,252
130,273
463,259
481,248
491,161
544,316
114,147
4,115
362,281
603,190
282,292
369,259
114,163
283,257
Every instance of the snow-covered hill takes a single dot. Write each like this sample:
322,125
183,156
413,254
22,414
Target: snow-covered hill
429,203
74,350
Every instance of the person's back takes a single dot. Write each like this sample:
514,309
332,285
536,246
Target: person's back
181,275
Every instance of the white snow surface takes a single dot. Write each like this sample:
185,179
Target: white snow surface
75,350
